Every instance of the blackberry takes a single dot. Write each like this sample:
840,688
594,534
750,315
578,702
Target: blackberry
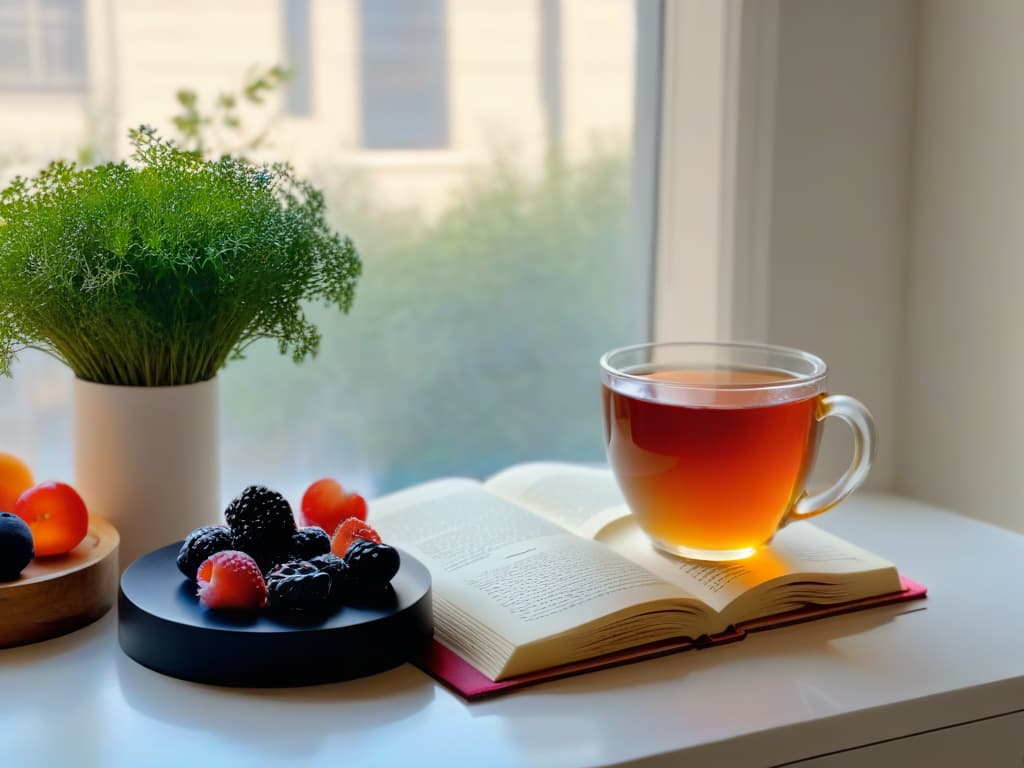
199,545
372,564
298,586
261,521
307,543
266,559
16,548
304,544
337,569
331,564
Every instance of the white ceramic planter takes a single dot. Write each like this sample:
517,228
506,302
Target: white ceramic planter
147,459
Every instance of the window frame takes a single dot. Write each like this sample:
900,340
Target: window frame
712,216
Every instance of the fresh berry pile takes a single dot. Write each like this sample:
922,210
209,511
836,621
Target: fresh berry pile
261,559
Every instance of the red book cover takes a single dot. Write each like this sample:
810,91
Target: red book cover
460,676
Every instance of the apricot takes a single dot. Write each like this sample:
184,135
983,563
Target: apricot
56,515
15,479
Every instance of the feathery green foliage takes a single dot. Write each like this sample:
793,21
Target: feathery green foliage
157,272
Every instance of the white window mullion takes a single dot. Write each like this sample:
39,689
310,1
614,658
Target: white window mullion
753,56
714,169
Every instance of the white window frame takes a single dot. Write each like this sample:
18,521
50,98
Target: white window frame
712,212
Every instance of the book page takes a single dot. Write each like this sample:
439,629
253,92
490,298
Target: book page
512,571
803,562
583,500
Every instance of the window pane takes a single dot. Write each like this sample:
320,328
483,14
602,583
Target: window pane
42,44
297,35
495,273
14,53
403,74
13,10
62,39
14,59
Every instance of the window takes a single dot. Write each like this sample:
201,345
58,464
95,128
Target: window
42,45
403,74
297,34
491,286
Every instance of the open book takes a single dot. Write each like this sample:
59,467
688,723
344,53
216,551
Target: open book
542,566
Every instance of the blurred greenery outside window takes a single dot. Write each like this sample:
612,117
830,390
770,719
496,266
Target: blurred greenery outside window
495,272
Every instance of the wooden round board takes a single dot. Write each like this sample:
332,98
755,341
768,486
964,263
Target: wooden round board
57,595
163,626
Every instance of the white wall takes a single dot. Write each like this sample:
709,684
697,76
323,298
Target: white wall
897,249
840,213
965,347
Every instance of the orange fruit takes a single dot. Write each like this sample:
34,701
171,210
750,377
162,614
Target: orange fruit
15,479
56,515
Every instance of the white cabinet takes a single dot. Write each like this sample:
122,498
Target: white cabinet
996,742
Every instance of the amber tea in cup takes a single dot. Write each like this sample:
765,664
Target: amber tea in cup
712,444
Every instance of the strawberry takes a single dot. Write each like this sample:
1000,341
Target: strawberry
325,503
349,531
231,580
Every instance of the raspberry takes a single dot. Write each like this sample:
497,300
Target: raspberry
371,563
231,580
261,520
348,532
298,586
199,545
337,569
308,542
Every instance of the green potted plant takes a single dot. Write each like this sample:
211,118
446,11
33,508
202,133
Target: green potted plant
145,278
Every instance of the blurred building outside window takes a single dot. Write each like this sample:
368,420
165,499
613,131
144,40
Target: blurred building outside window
296,20
403,74
42,45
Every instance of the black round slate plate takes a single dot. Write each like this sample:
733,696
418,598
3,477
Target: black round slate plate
163,626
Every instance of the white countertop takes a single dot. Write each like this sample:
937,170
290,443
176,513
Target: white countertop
776,697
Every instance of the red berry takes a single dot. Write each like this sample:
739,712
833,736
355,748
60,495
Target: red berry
56,515
231,580
349,531
325,503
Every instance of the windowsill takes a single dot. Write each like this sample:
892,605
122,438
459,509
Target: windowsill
896,683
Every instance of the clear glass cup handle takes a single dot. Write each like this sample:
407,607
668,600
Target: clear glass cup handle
857,416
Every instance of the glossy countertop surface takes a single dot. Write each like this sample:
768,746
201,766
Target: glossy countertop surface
775,697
